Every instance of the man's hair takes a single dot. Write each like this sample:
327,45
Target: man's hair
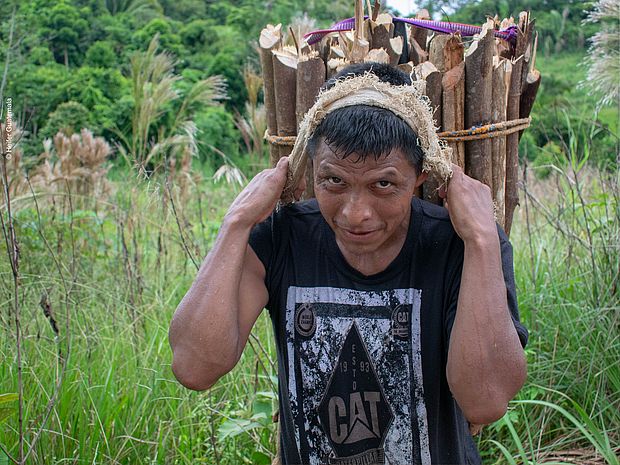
366,130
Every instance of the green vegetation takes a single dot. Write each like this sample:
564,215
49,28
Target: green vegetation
112,223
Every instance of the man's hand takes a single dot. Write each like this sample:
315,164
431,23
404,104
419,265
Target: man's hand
470,206
486,364
213,321
256,202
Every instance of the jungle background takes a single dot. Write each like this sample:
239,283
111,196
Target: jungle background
134,123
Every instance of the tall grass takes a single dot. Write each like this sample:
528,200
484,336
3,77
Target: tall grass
98,285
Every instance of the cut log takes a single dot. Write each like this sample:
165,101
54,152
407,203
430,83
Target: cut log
530,87
311,74
512,112
270,39
453,109
436,52
502,70
417,54
420,34
381,33
478,94
453,84
285,81
378,55
428,72
395,50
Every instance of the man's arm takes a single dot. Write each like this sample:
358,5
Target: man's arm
213,321
486,364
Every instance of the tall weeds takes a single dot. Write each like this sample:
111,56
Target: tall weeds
567,263
152,141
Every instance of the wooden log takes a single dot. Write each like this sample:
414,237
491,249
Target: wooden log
428,72
478,94
453,109
502,70
529,88
512,112
270,39
419,34
334,66
407,68
378,55
381,32
436,51
448,56
395,50
361,46
417,54
453,52
528,93
311,74
285,81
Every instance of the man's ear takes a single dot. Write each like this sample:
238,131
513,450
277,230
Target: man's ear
421,178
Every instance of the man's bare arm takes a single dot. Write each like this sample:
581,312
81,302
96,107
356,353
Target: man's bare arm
213,321
486,363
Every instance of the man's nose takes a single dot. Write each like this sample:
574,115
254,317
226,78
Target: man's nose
356,209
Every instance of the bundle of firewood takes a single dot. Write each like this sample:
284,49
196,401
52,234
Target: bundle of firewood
482,89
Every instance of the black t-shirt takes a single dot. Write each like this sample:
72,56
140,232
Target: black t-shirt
362,359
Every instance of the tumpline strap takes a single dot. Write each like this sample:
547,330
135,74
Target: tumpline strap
466,30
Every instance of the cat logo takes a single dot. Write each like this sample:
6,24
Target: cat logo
401,322
354,413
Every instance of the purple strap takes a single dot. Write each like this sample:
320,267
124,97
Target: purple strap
466,30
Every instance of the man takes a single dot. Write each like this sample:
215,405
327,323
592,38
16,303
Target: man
395,320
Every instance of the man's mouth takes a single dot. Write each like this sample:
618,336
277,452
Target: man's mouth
359,235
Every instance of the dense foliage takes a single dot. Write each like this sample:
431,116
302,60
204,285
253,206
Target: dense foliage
97,261
70,63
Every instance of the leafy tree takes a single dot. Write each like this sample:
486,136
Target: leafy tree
39,90
216,128
69,117
41,56
184,10
101,55
66,28
167,38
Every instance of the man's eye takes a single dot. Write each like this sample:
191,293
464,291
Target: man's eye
384,184
335,180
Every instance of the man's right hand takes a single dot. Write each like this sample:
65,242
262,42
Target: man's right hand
256,202
213,321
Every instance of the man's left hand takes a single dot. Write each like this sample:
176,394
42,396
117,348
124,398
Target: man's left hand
470,206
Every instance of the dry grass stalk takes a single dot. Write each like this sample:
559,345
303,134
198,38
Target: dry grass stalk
252,126
75,165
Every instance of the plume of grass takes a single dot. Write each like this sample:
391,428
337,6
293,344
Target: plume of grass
76,164
604,52
253,126
154,92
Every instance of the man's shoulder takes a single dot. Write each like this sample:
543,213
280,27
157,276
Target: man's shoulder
300,209
430,210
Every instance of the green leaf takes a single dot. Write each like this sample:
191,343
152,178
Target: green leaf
234,427
259,458
7,410
4,459
8,397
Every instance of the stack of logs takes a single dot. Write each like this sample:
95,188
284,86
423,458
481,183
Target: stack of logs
490,82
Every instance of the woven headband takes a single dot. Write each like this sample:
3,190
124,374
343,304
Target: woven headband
407,102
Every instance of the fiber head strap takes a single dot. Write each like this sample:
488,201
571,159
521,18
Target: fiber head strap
407,102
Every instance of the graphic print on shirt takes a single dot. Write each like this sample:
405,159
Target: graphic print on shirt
355,376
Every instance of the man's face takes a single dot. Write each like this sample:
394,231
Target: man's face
366,203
